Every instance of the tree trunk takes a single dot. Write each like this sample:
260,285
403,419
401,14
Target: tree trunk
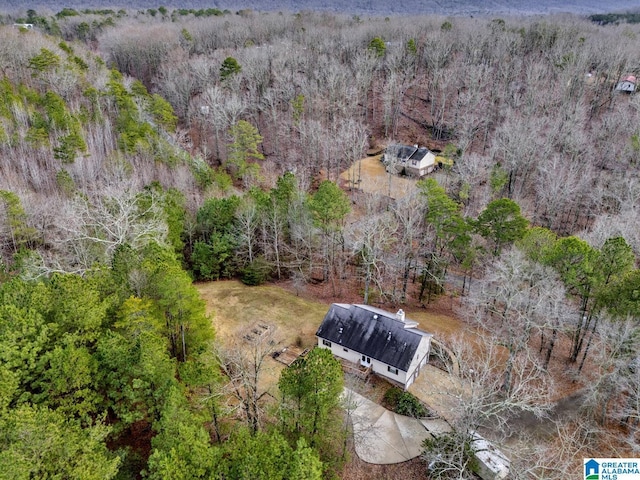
576,343
405,278
184,344
586,350
367,281
552,342
506,385
214,414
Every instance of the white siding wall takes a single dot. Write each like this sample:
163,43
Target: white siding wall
423,167
338,351
355,357
626,86
420,359
382,370
428,161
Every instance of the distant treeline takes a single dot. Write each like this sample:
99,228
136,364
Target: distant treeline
107,18
616,18
360,7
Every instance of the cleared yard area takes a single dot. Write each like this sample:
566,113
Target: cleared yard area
237,311
235,308
435,320
374,178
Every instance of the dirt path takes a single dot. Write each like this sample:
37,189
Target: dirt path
545,428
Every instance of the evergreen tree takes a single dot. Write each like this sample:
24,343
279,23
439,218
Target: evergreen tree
230,67
36,442
501,223
244,147
311,389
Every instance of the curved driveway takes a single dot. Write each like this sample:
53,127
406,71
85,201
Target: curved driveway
383,437
440,390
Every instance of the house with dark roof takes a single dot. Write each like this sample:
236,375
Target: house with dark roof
389,344
412,161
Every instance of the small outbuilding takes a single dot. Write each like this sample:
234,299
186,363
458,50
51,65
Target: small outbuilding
627,84
492,463
413,161
388,344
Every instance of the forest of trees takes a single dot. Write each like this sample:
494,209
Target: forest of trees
142,150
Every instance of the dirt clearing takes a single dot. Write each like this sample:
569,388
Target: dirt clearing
374,179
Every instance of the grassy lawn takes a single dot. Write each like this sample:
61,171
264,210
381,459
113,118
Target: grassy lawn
236,309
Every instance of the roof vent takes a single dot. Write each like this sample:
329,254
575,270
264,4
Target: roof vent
375,317
400,315
340,330
389,336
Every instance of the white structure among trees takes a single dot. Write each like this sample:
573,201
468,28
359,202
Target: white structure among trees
410,160
389,344
627,84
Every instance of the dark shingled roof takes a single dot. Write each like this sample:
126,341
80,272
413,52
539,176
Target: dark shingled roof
372,332
419,154
402,152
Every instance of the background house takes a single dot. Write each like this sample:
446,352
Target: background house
627,84
409,160
388,343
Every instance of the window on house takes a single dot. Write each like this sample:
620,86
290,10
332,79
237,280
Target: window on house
366,359
326,343
345,349
392,370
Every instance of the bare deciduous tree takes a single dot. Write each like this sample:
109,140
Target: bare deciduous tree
480,405
371,241
516,299
242,361
94,228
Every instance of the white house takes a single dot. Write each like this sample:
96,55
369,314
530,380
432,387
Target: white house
627,84
409,160
389,344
